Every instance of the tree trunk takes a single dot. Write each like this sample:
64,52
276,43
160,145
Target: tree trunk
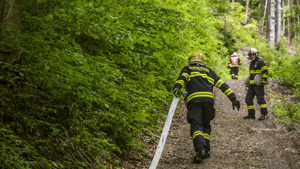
249,11
10,26
293,23
298,21
247,4
283,17
289,26
263,20
278,22
271,23
268,22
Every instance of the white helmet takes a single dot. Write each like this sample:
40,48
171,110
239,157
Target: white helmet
234,54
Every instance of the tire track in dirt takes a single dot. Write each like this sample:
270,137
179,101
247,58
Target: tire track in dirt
235,142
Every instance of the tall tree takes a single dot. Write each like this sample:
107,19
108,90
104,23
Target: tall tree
263,20
278,23
10,25
295,20
283,16
247,6
289,25
298,19
271,24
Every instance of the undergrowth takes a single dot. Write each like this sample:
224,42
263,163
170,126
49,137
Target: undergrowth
287,111
89,78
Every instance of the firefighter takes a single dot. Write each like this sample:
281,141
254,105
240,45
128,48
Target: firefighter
199,81
234,61
257,66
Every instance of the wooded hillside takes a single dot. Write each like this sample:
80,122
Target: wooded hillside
81,81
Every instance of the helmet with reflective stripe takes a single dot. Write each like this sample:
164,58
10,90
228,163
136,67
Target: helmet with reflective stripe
196,57
253,51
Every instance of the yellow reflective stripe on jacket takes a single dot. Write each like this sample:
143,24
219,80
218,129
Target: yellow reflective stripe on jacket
185,75
265,75
235,66
250,107
263,106
194,74
252,82
197,133
255,71
264,68
199,94
199,68
180,82
219,83
228,91
206,136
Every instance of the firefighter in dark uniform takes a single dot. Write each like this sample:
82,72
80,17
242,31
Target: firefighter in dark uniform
234,61
199,81
257,66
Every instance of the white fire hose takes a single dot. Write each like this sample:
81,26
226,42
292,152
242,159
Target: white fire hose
164,134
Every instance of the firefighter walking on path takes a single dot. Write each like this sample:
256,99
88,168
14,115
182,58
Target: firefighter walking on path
257,66
199,81
234,63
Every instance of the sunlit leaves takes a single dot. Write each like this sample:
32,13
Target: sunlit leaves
106,68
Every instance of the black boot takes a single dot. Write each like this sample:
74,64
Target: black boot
249,117
207,153
263,117
200,155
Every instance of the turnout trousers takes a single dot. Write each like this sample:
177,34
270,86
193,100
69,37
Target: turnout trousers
199,115
234,71
259,92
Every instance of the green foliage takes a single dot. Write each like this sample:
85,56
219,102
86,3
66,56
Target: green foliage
253,163
289,71
288,112
95,76
18,153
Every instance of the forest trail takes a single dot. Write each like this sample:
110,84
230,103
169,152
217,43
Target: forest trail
235,142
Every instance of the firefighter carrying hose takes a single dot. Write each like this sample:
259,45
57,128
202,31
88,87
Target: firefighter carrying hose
257,66
199,81
233,64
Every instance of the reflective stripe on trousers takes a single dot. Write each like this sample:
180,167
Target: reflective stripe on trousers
259,92
199,115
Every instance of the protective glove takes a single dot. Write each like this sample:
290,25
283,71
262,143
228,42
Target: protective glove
176,92
263,81
236,103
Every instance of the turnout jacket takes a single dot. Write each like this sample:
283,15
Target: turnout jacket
257,66
235,61
199,81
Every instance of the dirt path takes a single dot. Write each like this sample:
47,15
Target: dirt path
235,142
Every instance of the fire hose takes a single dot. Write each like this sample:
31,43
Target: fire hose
164,134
